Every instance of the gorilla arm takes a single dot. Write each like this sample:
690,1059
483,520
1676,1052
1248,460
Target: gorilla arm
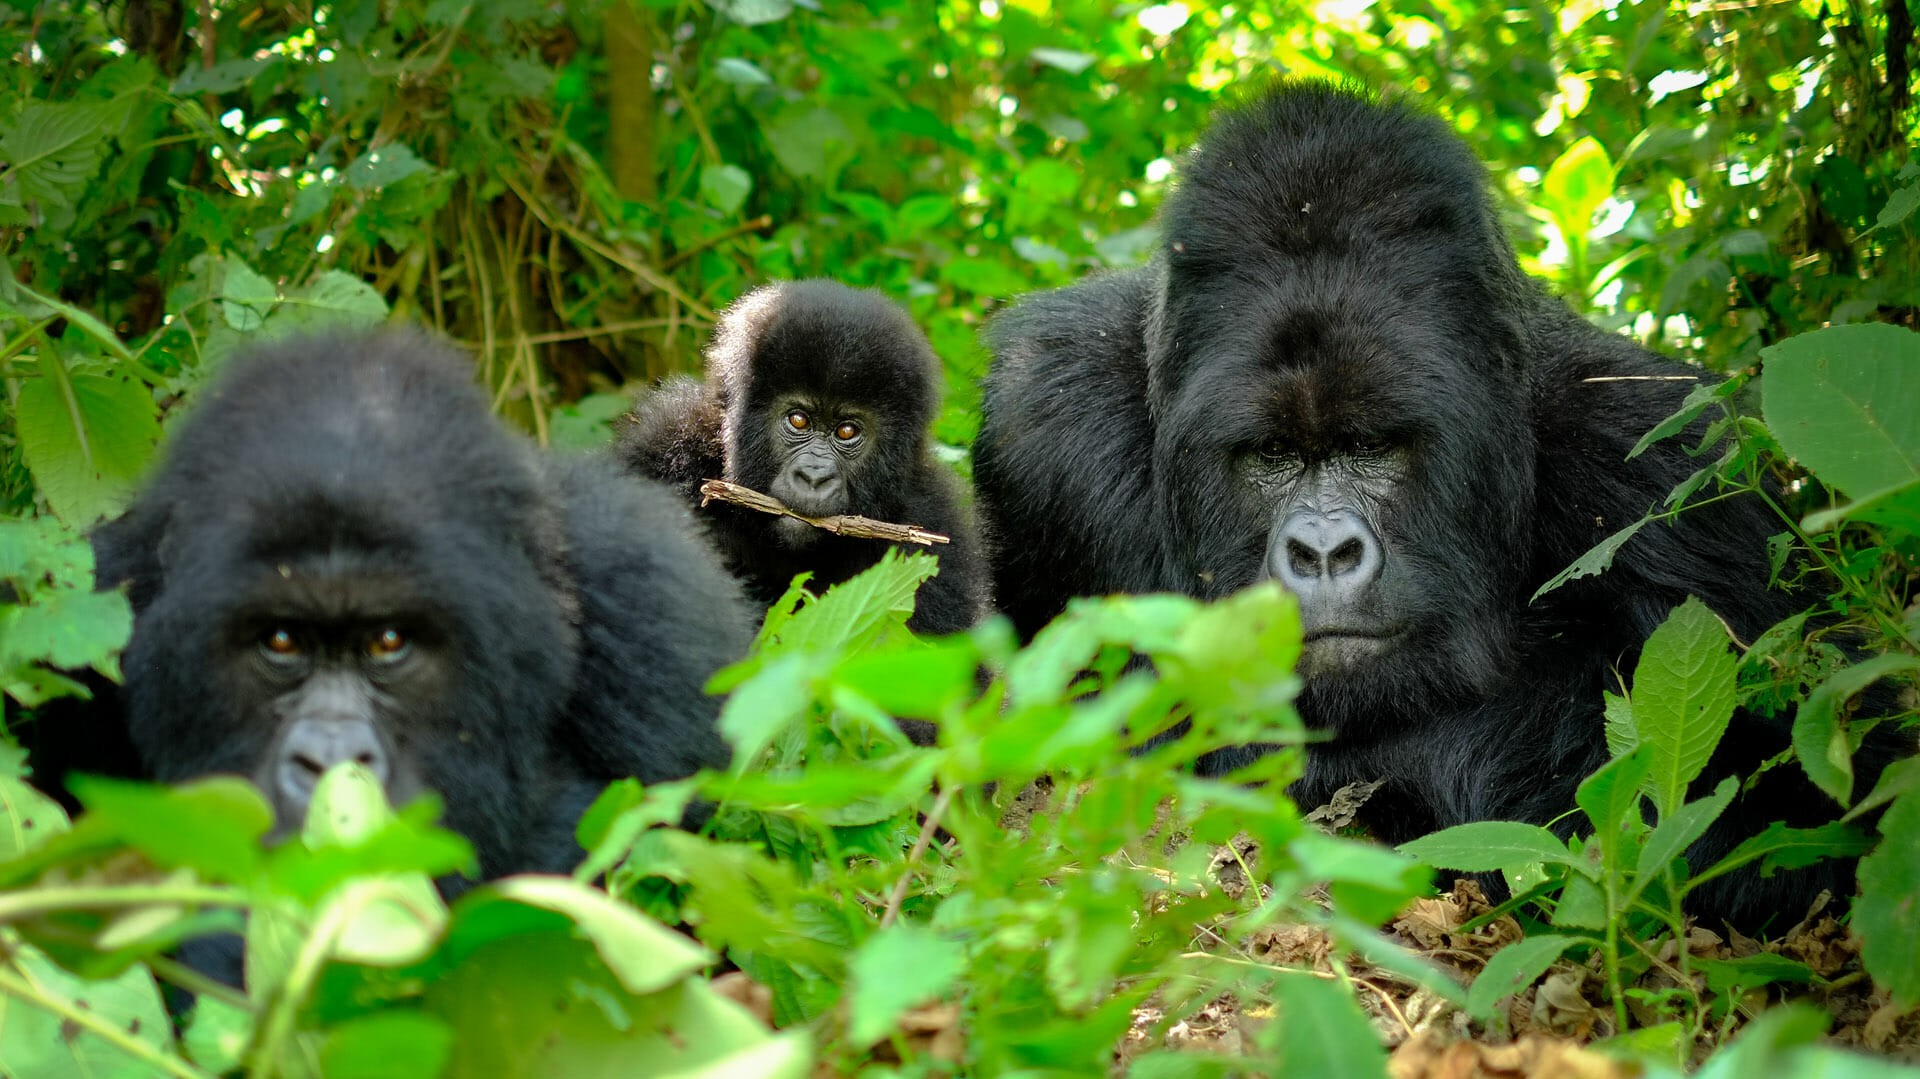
1064,459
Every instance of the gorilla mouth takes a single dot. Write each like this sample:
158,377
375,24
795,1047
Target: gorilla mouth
1337,648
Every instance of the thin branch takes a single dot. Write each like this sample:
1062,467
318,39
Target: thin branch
841,524
920,845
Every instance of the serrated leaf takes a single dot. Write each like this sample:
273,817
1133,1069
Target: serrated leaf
1484,846
1887,915
1597,559
334,300
1513,968
1683,696
52,151
725,187
87,439
383,165
1841,401
1823,746
245,296
1676,832
1898,208
898,968
1781,847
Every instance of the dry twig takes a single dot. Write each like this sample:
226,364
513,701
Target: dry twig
840,524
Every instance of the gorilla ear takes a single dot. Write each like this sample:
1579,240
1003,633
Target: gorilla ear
134,550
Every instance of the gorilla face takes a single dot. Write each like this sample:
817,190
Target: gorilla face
1320,442
818,450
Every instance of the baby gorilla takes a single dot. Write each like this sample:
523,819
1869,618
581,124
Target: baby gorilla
819,395
345,557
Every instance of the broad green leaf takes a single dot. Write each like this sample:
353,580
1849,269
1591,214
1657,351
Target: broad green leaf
812,144
1899,207
1677,831
754,12
334,300
52,151
1823,745
212,826
68,629
37,1042
1067,60
644,954
914,681
1513,968
1485,846
386,1044
1887,914
740,72
1781,847
1575,186
1895,780
1611,796
1597,559
1698,400
86,438
1683,696
725,187
1896,507
899,967
1752,972
216,1035
246,298
27,818
1318,1029
383,165
1841,401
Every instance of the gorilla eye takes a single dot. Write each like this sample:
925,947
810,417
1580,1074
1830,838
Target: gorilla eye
280,644
389,644
799,420
847,431
1277,450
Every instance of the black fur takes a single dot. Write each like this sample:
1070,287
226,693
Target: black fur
1333,276
568,615
845,352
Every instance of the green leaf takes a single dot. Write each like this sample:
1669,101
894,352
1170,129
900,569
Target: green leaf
27,818
1683,696
754,12
212,826
645,955
1318,1029
1887,915
37,1042
334,300
245,297
899,967
1610,797
1698,400
1752,972
1840,400
1896,507
1575,186
1485,846
1823,745
386,1044
1899,207
86,438
740,72
1595,561
383,165
725,187
1781,847
1676,832
1513,968
812,144
1067,60
52,151
68,629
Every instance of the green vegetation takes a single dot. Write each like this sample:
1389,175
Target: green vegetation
572,190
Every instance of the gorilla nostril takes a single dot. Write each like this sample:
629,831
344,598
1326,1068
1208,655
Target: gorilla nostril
309,765
1347,557
1303,560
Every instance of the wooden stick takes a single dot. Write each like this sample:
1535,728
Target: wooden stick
840,524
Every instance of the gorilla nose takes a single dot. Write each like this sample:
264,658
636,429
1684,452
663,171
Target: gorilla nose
816,476
1325,556
314,745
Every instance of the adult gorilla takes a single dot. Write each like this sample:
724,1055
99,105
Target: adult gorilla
345,557
1335,373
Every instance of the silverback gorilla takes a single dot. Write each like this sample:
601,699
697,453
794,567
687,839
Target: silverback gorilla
819,395
1334,373
345,557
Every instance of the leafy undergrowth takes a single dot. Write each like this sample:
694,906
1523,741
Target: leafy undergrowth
1049,889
